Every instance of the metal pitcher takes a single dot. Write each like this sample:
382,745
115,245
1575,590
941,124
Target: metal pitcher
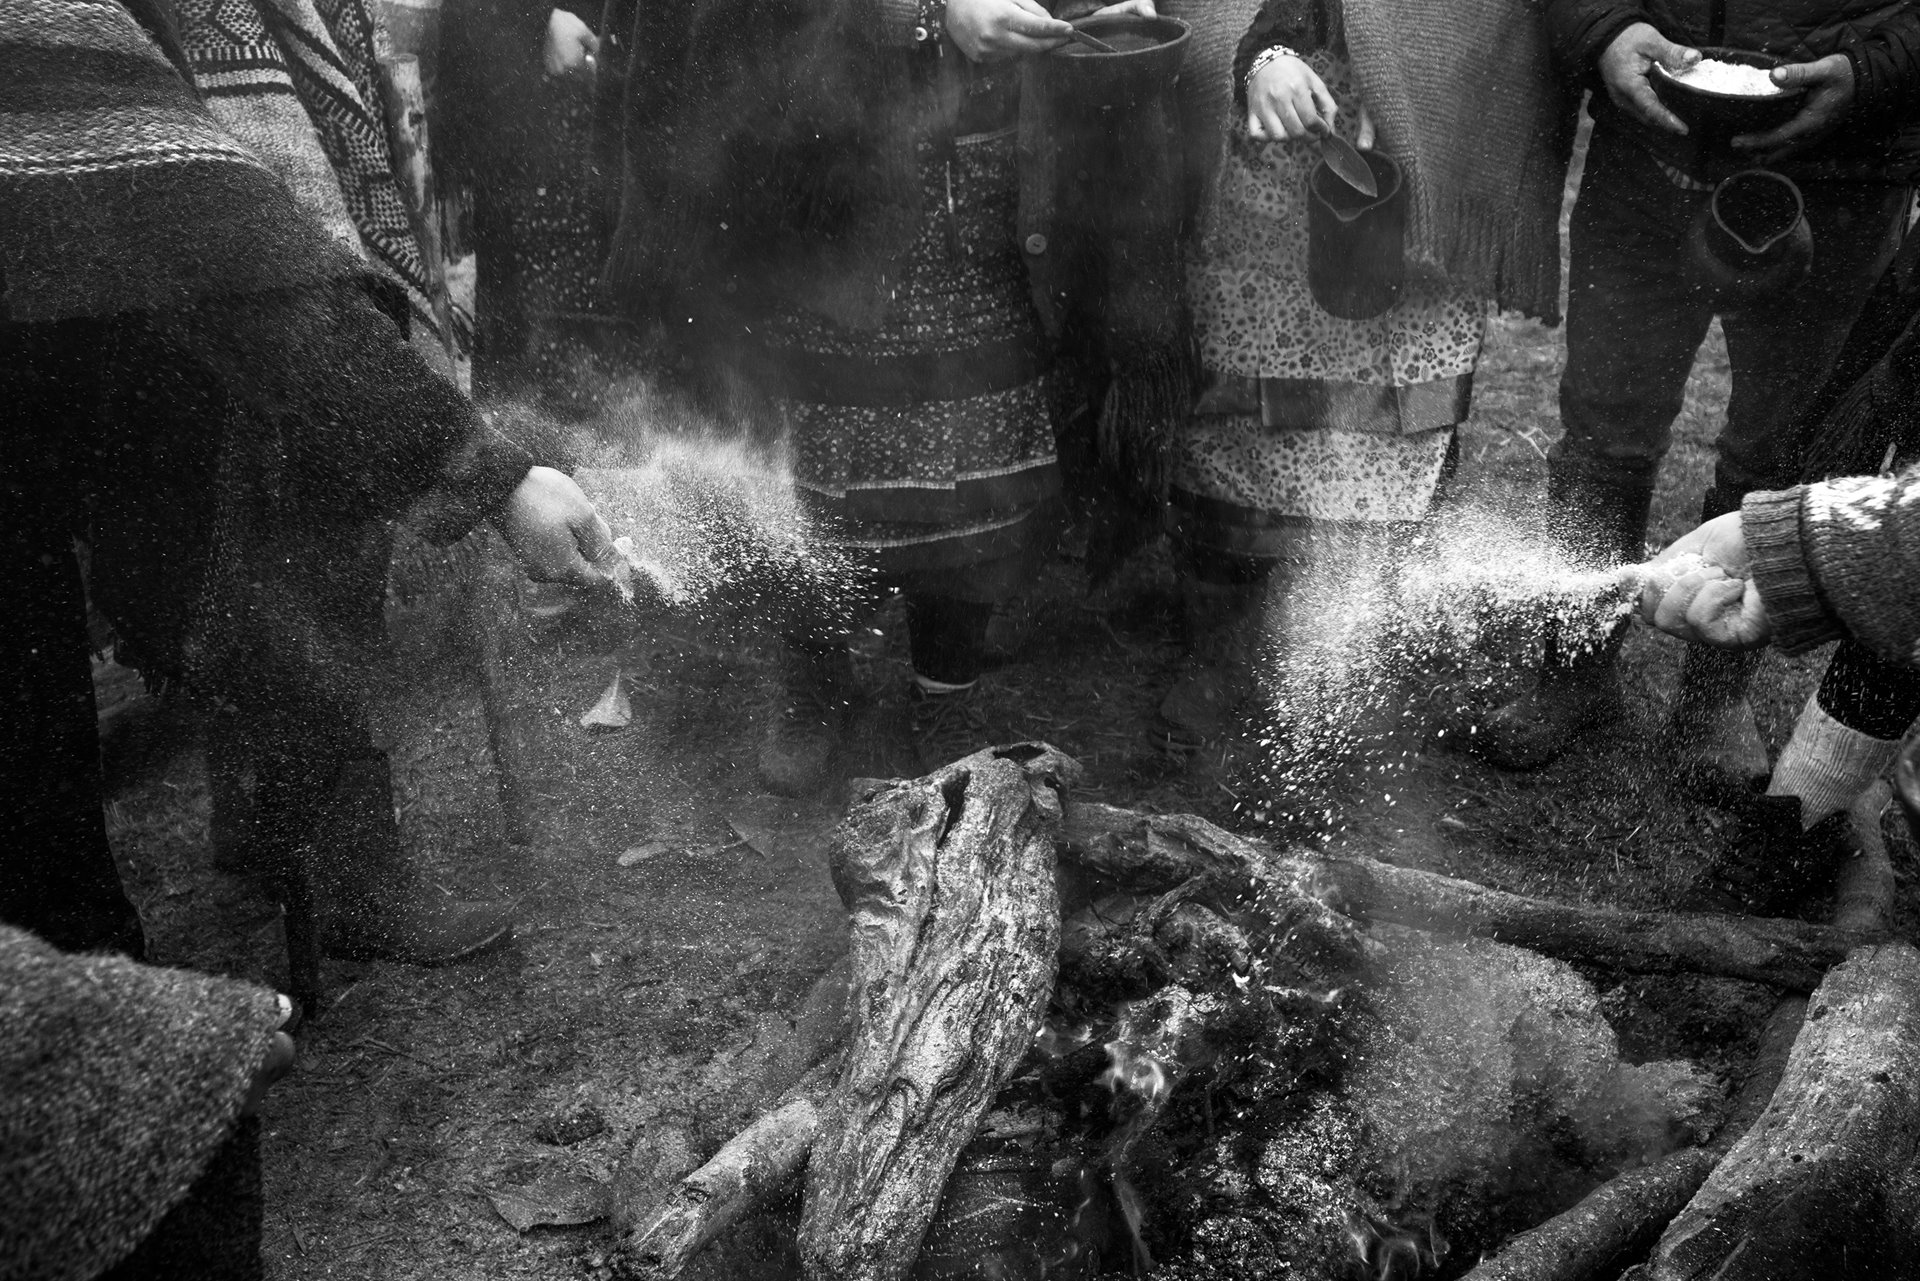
1356,244
1751,241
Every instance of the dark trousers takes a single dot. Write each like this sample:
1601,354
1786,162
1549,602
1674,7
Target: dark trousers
57,876
1635,320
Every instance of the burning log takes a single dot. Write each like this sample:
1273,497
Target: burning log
754,1167
1165,848
1822,1180
956,925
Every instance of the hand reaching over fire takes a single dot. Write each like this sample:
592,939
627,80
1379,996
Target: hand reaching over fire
1699,589
555,531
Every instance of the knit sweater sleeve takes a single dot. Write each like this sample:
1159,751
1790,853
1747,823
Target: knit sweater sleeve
371,431
1300,25
118,1084
1840,558
1581,30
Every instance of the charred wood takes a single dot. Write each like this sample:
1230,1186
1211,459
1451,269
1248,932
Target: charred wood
949,881
1150,851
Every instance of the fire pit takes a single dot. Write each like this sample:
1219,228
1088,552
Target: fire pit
1074,1041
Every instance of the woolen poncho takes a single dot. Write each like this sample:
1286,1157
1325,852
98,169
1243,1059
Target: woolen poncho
118,191
118,1082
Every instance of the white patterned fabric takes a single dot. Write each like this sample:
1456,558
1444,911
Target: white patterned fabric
1309,416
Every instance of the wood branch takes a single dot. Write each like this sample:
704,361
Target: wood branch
1787,954
753,1168
1819,1186
1616,1222
949,881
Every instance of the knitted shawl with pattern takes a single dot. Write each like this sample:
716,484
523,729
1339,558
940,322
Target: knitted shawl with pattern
299,81
118,190
118,1083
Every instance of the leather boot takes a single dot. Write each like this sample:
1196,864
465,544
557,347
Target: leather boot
1222,623
1717,753
1603,521
807,720
374,902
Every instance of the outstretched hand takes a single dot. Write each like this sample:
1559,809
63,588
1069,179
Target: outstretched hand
571,47
1626,68
1830,93
1001,30
1699,589
556,533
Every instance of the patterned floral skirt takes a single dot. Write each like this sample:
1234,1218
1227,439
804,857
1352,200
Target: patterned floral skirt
926,443
1308,417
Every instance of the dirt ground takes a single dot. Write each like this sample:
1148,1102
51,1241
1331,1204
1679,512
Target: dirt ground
667,903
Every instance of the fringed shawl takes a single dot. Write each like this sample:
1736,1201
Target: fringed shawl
1464,97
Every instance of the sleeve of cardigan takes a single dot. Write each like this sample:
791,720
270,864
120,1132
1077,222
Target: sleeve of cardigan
1300,25
1581,30
1886,67
1840,558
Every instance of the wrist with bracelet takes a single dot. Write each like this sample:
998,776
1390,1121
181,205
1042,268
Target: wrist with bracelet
930,23
1271,54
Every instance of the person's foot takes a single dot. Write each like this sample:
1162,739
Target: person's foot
1532,730
807,720
946,727
419,931
1717,754
1771,867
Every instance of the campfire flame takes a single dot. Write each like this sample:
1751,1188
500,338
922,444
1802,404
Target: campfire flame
1387,1252
1138,1072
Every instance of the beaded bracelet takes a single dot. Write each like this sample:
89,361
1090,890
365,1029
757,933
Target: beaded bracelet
1261,59
930,22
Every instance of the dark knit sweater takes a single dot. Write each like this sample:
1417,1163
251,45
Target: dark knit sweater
1841,558
118,1084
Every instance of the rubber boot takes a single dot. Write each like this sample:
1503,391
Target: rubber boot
807,720
1716,751
1216,675
1602,521
373,900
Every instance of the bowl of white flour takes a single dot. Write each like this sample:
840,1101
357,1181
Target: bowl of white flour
1729,91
